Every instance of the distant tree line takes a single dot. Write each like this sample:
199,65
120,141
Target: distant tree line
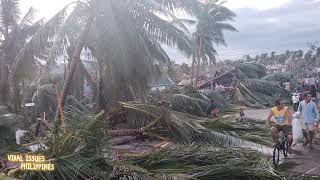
310,57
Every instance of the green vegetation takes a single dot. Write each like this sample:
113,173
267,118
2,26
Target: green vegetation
244,71
114,48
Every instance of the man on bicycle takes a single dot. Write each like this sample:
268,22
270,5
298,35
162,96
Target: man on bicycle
282,121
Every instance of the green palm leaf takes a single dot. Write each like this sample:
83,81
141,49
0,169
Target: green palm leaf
208,162
186,104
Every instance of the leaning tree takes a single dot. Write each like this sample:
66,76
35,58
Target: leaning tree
210,27
124,36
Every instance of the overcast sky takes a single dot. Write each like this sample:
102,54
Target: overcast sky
273,25
264,25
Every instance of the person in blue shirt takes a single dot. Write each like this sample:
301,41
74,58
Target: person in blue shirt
309,116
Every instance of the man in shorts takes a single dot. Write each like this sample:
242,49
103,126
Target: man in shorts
309,117
282,121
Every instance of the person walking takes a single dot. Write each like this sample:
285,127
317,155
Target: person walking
312,83
309,117
317,84
313,92
287,85
296,100
300,90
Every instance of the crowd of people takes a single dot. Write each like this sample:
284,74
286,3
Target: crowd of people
309,84
306,112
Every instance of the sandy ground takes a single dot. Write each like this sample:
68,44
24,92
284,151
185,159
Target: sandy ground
307,161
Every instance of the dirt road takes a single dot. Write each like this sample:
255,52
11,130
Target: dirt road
307,161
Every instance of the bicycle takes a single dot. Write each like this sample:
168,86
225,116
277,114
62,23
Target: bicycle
282,145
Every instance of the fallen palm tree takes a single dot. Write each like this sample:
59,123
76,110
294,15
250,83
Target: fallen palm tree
196,103
76,155
86,153
256,93
189,104
248,71
250,130
185,162
206,162
185,128
282,78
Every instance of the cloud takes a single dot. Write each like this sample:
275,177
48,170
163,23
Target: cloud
281,25
289,26
264,25
255,4
272,20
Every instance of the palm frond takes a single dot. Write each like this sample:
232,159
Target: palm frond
28,18
208,162
163,30
250,71
186,104
132,47
257,93
40,41
186,128
9,14
222,14
281,78
79,154
190,6
250,130
219,99
69,32
226,27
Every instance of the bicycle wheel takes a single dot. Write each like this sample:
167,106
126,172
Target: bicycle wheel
285,148
276,156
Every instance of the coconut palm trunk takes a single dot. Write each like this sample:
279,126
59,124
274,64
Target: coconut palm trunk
198,60
211,75
75,60
197,73
4,85
4,70
192,70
